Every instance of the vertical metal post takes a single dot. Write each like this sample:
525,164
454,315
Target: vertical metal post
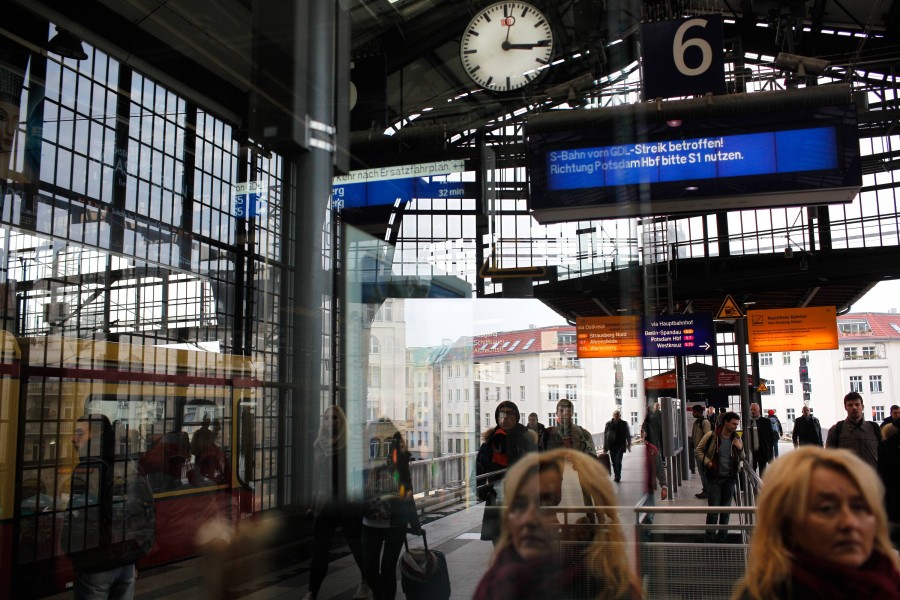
310,177
741,338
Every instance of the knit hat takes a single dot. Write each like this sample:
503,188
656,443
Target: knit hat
771,411
508,404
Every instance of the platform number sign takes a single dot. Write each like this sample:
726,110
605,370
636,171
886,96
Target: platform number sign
683,57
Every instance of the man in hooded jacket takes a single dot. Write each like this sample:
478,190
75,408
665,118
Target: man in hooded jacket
502,446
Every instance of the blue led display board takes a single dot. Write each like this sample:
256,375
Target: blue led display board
386,185
679,335
691,157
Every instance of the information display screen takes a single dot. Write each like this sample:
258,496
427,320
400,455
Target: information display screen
626,164
387,185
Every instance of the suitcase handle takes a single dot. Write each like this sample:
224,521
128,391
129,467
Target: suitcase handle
424,539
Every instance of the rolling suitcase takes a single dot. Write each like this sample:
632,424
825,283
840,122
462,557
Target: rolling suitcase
423,573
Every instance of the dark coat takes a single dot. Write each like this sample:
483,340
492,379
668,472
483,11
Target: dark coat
807,432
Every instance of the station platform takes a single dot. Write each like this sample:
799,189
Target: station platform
455,532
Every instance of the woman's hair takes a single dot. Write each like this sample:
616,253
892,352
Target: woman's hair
784,501
329,438
606,559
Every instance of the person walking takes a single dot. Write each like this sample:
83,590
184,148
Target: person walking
503,446
700,428
721,452
807,430
331,507
616,440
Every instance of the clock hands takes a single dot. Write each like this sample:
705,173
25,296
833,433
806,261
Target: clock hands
508,46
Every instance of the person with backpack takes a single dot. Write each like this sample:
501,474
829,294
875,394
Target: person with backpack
777,430
111,520
855,433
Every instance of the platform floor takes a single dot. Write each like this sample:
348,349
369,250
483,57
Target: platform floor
457,535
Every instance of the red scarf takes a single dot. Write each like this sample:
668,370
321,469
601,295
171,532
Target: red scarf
877,578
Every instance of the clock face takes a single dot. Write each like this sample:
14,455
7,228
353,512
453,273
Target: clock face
506,45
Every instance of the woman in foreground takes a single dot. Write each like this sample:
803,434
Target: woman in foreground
536,557
821,531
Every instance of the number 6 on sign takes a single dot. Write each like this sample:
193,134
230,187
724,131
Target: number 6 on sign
679,46
683,57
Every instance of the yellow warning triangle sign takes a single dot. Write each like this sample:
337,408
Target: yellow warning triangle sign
762,389
729,309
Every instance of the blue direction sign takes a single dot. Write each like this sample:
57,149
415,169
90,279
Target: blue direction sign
249,199
679,335
387,185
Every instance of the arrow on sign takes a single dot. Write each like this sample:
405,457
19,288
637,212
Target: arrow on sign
705,345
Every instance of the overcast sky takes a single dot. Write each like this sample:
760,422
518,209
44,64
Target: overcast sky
428,322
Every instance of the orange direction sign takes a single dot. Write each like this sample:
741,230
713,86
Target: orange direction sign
608,337
785,329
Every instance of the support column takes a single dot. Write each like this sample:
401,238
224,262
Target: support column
309,178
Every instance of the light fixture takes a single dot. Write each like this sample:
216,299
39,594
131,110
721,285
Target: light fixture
67,45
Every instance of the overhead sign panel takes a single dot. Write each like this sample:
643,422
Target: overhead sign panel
387,185
608,337
735,151
679,335
783,330
683,57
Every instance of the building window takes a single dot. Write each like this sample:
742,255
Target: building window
487,419
374,447
571,391
508,393
856,383
851,352
521,392
521,366
458,446
878,413
388,310
868,352
467,395
507,367
551,419
553,393
804,356
497,398
575,418
854,326
374,376
374,346
450,446
449,396
457,370
634,419
875,385
566,338
632,390
457,398
788,386
632,363
791,414
765,359
785,358
467,419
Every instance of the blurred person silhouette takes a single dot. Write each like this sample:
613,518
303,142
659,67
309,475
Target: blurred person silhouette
889,471
111,520
821,531
535,425
167,463
503,445
567,434
208,456
389,512
331,502
537,557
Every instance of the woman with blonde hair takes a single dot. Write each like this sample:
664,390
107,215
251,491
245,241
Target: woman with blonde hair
537,558
821,531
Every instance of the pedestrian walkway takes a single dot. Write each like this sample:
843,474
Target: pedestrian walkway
457,535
